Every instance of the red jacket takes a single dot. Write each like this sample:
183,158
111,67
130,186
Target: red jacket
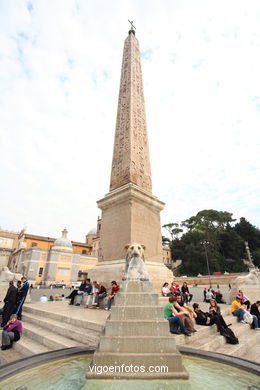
115,289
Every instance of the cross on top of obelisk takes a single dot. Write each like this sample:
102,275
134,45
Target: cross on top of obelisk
132,29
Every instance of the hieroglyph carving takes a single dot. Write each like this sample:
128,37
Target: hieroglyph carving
131,161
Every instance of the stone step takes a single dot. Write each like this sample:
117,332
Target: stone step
136,312
130,298
172,360
27,347
137,328
207,334
68,319
143,344
9,355
136,286
87,337
207,338
48,339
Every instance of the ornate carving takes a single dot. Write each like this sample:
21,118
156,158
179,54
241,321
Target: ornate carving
131,162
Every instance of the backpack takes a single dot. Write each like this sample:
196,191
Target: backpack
229,336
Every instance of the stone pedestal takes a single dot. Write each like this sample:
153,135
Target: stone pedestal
130,214
136,338
251,291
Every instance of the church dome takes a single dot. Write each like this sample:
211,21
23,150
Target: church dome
92,231
63,243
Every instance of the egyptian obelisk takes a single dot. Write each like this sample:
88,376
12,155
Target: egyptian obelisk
130,212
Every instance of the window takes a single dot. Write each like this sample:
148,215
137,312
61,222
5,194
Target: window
82,273
40,271
84,252
34,244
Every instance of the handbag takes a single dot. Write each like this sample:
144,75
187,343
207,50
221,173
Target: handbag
248,318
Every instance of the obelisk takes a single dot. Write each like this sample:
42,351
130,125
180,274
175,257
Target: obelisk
130,212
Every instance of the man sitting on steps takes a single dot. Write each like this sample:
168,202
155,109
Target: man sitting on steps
209,319
238,310
175,318
86,292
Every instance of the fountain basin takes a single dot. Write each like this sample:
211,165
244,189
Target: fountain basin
66,369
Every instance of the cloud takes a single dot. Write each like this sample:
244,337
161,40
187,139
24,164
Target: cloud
60,72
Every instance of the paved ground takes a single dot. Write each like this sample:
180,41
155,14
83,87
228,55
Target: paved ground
196,291
36,294
74,312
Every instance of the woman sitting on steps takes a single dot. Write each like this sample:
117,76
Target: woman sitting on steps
12,332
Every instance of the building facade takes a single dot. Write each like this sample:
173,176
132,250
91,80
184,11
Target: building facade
46,260
8,242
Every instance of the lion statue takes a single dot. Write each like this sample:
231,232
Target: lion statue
253,277
134,266
7,276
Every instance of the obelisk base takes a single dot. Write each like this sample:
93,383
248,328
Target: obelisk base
106,271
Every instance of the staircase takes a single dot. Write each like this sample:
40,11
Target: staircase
208,339
46,331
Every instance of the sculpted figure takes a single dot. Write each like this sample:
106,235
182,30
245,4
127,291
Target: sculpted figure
134,266
6,275
252,278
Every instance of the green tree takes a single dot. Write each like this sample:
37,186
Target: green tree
225,246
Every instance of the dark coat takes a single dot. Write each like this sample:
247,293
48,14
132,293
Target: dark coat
255,310
11,295
23,290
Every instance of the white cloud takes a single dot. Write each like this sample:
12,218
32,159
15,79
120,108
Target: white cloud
60,68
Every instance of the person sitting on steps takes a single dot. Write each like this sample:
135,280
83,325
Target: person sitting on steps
239,310
95,289
12,331
187,319
74,292
86,292
186,293
166,292
255,311
208,319
219,297
244,299
114,290
102,293
175,318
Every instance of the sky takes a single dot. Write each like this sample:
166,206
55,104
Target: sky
60,65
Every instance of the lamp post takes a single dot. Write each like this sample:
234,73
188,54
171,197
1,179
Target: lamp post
251,264
204,243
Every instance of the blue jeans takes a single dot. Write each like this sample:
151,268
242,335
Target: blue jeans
99,297
109,303
239,313
255,321
80,297
177,323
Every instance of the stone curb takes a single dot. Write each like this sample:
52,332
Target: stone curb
242,364
13,368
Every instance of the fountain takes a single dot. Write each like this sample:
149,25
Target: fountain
137,337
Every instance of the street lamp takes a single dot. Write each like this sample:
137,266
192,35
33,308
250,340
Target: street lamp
250,260
204,243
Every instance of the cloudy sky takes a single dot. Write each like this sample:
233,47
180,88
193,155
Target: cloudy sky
60,66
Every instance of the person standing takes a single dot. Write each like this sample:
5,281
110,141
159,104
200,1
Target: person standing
10,301
204,294
22,293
